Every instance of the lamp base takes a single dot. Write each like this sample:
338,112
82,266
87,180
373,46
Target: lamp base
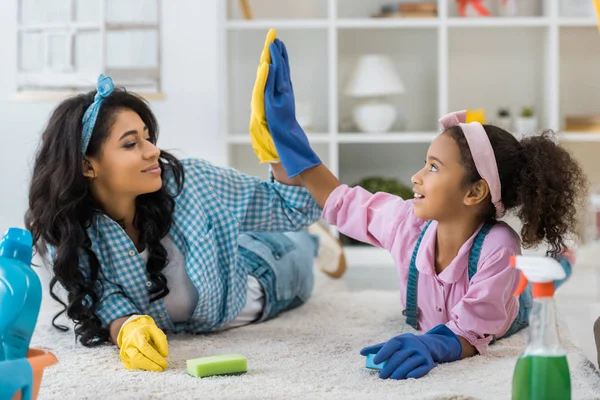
374,116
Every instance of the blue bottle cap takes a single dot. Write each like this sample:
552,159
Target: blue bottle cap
17,244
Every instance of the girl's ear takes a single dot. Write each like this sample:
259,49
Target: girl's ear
477,193
88,169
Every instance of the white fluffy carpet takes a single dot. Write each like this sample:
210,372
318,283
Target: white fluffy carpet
309,352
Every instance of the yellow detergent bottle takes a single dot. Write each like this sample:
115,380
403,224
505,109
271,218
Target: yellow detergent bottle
542,371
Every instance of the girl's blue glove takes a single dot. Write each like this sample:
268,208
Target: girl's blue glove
565,261
412,356
291,142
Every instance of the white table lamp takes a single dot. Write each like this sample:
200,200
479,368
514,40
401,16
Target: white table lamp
374,77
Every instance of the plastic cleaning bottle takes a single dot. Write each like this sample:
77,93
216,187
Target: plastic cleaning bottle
20,294
542,371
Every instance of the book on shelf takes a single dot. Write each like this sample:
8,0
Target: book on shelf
408,10
582,123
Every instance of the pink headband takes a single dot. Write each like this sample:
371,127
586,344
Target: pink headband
482,153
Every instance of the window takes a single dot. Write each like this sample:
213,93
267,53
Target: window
63,45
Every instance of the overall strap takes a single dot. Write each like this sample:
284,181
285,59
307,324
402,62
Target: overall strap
476,248
411,312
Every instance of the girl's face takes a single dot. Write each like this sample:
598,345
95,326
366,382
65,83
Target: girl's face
439,190
127,165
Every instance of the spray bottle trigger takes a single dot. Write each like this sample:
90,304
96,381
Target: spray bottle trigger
523,282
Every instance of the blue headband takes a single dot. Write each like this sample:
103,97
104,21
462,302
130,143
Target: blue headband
104,88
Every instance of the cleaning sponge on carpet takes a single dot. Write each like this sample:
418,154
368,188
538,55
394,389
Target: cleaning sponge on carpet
227,364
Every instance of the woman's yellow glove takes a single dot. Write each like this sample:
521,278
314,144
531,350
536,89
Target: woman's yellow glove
143,345
262,143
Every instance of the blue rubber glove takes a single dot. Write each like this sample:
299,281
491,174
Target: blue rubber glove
412,356
291,142
565,262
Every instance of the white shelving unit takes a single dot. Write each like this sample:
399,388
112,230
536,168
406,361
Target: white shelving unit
446,63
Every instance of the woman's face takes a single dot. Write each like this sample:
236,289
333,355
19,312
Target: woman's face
127,165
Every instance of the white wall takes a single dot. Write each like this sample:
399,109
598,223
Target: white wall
188,117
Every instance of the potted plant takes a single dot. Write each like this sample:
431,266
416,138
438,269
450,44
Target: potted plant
527,123
503,120
379,184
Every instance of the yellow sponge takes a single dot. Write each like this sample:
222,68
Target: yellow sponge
227,364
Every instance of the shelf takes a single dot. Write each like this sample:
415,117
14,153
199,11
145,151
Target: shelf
493,22
309,77
579,136
397,137
414,54
369,23
389,137
79,26
244,138
366,23
126,26
578,22
518,58
266,24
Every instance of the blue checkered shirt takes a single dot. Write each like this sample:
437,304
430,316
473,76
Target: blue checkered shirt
215,206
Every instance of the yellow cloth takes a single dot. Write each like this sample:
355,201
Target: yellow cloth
476,116
262,143
143,345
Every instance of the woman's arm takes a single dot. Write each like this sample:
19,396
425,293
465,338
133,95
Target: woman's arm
115,327
257,205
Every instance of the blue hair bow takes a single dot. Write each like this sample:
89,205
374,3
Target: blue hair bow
104,88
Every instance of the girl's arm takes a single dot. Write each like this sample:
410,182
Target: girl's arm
320,182
371,218
281,176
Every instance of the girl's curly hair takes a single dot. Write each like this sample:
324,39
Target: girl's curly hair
540,180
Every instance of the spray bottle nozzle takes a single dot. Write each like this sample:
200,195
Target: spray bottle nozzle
540,271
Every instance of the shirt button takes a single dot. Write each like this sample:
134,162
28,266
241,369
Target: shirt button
439,309
148,283
131,252
161,314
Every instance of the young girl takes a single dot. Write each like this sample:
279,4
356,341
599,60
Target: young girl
144,243
451,251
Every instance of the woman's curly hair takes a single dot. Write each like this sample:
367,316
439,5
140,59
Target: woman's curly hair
61,208
540,180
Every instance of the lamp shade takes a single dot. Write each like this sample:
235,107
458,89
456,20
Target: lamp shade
374,75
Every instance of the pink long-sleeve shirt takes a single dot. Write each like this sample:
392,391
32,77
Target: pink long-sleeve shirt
476,310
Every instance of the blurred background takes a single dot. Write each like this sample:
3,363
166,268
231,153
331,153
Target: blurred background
371,78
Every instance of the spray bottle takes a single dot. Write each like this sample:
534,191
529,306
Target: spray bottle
542,371
20,294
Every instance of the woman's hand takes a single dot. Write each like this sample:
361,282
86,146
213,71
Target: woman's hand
143,345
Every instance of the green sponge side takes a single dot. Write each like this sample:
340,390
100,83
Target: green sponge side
226,364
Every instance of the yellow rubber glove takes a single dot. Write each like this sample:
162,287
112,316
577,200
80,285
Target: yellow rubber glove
143,345
262,143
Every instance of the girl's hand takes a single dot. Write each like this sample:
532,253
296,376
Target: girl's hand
413,356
